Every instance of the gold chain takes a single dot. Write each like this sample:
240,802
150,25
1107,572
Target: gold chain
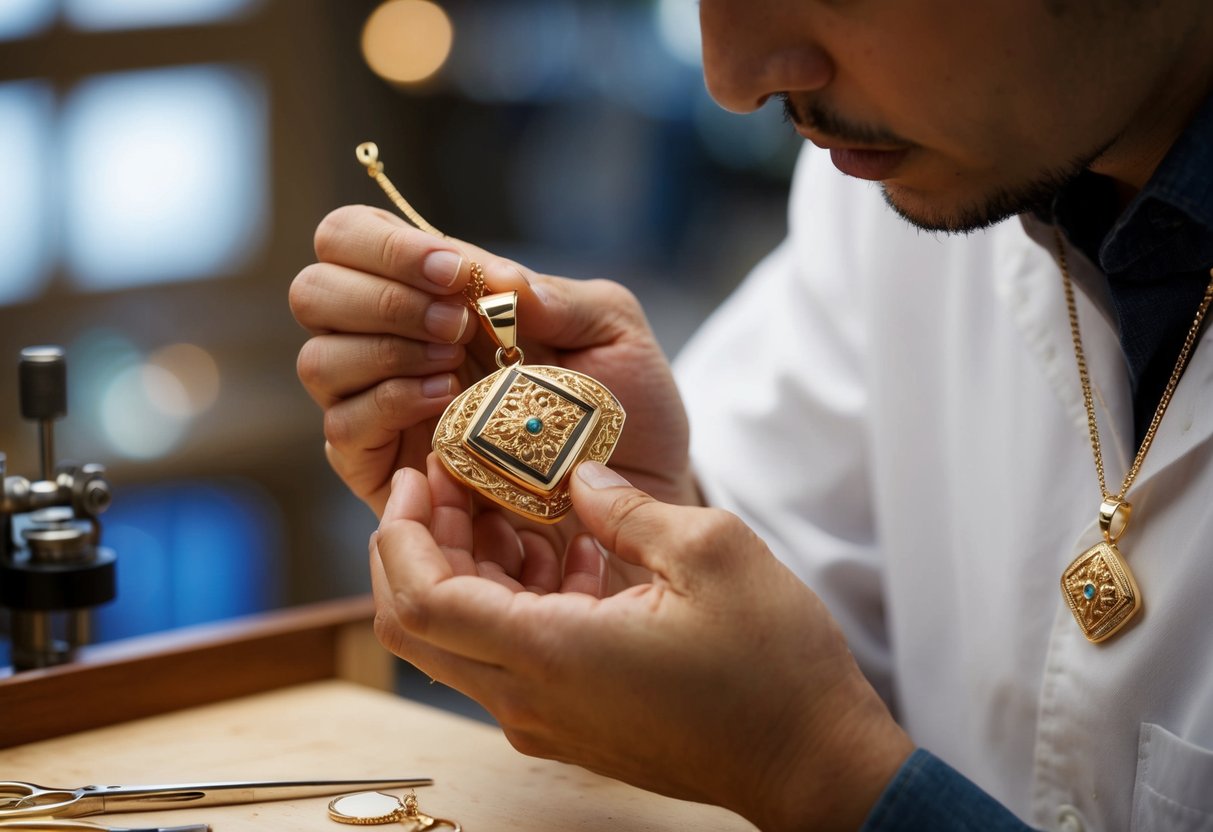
1084,377
476,288
368,155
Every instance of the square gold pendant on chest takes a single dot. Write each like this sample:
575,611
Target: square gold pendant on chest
1101,592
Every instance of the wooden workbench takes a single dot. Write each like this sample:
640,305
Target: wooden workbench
330,728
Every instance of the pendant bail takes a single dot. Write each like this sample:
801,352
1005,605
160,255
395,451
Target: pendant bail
499,314
1114,517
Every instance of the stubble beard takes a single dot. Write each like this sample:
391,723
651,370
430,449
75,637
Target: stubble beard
1035,195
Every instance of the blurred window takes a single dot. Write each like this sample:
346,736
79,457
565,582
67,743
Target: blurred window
20,18
115,179
163,175
132,14
26,111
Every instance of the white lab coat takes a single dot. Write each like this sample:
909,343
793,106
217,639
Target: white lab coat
899,416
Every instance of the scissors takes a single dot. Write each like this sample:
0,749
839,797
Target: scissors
53,825
27,800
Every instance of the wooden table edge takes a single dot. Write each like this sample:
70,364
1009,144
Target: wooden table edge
156,674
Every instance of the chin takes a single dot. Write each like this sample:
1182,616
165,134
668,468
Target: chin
967,204
958,213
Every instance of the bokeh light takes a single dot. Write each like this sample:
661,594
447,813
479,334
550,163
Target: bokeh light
406,41
140,406
197,375
135,427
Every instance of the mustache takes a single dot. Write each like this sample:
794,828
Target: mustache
813,116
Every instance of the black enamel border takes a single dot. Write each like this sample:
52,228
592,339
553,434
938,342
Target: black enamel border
489,449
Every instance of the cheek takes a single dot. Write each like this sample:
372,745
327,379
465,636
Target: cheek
971,82
969,125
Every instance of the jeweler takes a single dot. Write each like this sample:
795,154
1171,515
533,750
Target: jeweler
920,538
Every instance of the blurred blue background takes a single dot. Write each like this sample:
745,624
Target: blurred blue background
163,166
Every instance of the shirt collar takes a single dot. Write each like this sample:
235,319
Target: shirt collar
1167,228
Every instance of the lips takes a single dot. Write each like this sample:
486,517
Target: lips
874,163
867,164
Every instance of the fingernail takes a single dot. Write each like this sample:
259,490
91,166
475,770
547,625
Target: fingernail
596,475
437,387
446,321
441,267
441,352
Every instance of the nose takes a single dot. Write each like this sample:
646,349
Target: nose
751,51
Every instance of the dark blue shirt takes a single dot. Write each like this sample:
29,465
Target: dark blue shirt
1156,254
927,795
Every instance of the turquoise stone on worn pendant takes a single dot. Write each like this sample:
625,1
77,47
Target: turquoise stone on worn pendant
1100,591
534,425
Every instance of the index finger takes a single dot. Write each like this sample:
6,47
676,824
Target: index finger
374,241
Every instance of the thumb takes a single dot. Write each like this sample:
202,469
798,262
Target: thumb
624,519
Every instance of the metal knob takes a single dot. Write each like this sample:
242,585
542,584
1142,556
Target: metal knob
42,375
42,380
53,569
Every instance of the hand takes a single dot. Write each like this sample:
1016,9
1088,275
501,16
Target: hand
722,680
394,343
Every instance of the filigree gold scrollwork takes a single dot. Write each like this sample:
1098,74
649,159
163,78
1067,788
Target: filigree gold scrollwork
488,478
1100,591
552,416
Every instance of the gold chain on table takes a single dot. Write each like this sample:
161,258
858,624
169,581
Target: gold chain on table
1084,377
368,155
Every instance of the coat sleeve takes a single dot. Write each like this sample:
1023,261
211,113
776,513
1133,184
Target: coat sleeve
775,386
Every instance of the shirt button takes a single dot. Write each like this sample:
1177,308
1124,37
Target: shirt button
1068,820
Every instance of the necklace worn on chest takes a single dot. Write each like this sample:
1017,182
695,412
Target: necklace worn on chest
1098,586
515,435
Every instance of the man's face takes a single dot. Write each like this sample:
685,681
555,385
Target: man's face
967,111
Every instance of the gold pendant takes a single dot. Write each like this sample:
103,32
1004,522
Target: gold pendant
515,435
1098,586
